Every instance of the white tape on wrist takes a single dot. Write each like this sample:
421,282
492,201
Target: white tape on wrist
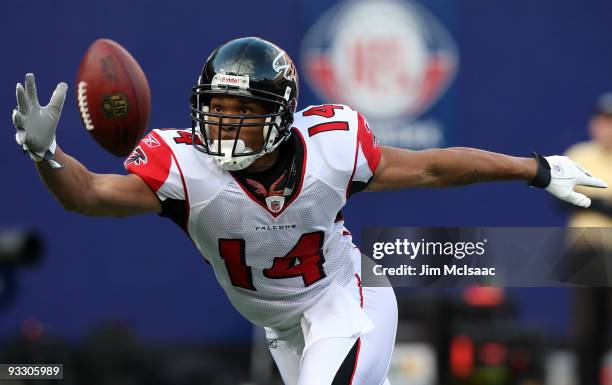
48,155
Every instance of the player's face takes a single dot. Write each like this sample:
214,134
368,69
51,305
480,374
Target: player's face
232,105
601,130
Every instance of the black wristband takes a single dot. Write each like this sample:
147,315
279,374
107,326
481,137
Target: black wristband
542,176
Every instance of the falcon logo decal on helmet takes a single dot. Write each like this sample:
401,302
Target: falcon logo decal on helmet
281,64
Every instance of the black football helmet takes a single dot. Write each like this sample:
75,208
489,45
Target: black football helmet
251,68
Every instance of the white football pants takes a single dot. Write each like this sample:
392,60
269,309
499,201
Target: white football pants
345,361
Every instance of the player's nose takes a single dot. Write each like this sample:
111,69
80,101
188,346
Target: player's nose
230,123
229,129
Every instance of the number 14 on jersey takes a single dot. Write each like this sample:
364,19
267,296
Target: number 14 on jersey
305,260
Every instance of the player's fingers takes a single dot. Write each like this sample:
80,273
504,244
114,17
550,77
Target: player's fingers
585,178
591,181
58,97
18,119
22,101
19,137
578,199
30,86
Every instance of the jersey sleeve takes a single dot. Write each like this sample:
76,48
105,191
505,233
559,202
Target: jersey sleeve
367,156
154,162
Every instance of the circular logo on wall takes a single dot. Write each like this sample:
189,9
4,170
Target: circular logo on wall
386,58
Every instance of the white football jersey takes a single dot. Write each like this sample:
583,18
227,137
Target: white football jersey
273,260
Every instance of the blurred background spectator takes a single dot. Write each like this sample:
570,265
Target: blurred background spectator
593,305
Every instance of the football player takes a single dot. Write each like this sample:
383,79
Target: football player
259,188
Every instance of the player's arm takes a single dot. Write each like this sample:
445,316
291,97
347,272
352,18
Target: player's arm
79,190
75,187
399,168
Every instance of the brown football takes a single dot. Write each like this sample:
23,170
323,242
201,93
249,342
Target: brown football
113,97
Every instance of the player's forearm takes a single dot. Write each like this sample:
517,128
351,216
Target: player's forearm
454,166
458,166
71,186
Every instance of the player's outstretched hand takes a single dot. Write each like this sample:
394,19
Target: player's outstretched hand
564,175
35,124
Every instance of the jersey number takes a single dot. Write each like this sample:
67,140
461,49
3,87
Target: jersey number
304,260
185,137
325,111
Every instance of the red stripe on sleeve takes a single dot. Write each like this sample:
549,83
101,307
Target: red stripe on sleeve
368,143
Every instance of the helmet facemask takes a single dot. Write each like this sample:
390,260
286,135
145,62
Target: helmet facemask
233,154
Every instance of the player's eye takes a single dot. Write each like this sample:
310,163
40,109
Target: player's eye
245,111
217,109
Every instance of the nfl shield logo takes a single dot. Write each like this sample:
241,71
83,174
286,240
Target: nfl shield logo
391,60
387,58
275,203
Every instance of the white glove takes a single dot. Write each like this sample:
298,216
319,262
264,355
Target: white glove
564,175
35,124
